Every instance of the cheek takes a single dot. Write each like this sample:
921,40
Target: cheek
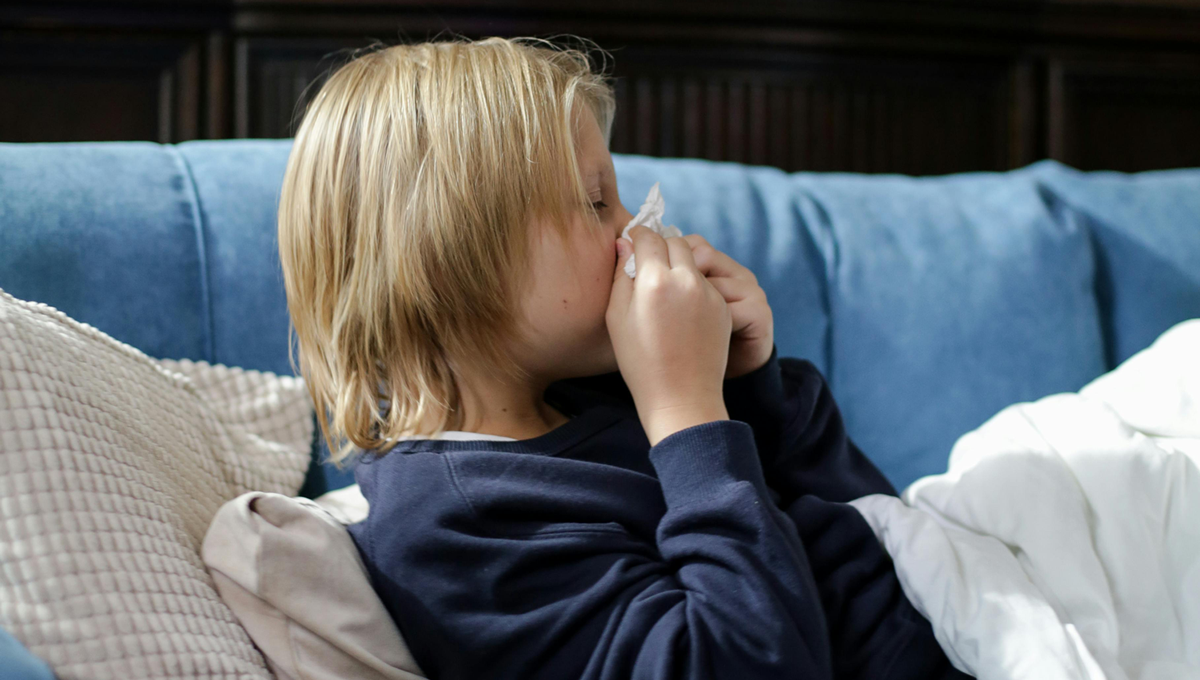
576,277
600,280
602,261
591,281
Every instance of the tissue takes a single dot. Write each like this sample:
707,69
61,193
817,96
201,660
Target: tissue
649,216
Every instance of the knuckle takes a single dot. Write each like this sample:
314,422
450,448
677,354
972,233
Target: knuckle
679,283
650,280
701,290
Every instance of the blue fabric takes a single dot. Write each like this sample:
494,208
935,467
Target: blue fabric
18,663
1146,232
106,233
238,195
929,303
951,298
610,558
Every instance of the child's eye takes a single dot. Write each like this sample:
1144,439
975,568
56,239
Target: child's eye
599,205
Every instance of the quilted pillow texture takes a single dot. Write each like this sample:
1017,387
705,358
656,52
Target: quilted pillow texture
291,572
112,466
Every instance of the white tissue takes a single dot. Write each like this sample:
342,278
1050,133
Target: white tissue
649,216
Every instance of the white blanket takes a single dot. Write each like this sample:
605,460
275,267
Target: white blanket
1064,539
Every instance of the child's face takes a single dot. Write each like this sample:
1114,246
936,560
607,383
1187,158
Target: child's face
569,295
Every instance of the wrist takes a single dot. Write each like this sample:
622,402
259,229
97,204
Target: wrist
767,363
666,421
749,359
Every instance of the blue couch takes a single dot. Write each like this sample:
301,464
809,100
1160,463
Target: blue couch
928,303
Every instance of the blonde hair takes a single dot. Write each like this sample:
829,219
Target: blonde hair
412,185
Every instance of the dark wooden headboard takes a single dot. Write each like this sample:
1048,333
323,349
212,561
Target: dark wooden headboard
909,86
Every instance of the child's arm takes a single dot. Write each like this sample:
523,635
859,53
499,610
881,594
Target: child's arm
798,428
738,598
721,588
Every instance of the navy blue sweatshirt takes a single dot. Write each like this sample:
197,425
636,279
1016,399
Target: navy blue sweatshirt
724,551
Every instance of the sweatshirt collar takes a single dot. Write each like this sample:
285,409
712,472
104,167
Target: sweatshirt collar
592,420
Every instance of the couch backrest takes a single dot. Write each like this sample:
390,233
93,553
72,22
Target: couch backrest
929,303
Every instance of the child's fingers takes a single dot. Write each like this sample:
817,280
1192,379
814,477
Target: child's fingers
650,248
622,284
712,262
733,290
680,252
746,301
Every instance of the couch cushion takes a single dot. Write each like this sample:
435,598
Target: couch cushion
107,233
237,187
951,298
1146,232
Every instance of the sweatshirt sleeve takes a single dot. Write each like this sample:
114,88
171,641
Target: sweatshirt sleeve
721,588
798,429
741,600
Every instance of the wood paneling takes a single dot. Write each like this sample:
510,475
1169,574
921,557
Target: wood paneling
812,111
273,77
908,86
1132,113
83,87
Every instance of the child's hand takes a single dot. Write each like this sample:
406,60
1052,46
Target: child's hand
753,323
670,331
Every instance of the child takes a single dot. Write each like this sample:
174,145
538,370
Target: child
571,473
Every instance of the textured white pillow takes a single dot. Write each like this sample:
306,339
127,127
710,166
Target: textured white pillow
112,465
